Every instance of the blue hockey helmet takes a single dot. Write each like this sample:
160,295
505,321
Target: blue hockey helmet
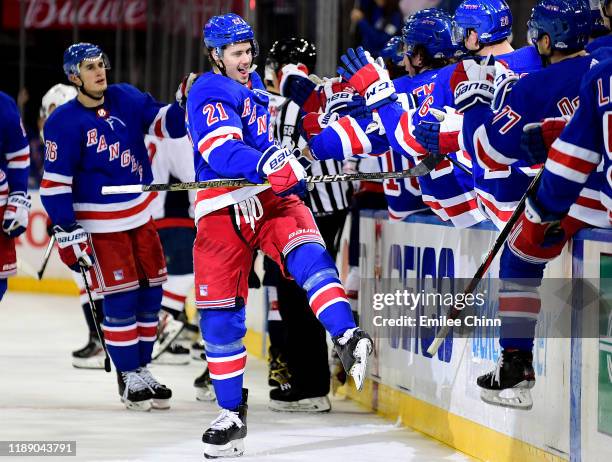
393,50
226,29
77,53
566,22
491,19
431,29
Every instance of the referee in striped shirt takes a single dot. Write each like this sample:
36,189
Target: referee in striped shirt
307,363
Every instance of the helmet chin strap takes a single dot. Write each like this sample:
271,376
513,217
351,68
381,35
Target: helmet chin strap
89,95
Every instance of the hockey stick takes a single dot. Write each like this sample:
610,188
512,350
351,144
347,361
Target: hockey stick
92,307
46,256
460,166
484,267
423,168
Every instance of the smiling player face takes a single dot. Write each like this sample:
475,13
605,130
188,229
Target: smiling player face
237,59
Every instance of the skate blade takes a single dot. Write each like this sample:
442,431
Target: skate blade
95,362
234,448
520,400
161,404
169,359
197,355
320,404
205,395
140,406
359,368
171,333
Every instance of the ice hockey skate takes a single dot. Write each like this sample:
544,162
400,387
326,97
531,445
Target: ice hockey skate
225,437
290,399
197,350
204,387
510,383
135,393
91,356
174,355
167,332
278,371
353,348
161,393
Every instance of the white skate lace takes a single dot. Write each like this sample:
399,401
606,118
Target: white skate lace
496,377
225,420
346,336
134,382
147,377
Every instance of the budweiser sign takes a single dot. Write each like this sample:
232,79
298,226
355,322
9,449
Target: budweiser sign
90,14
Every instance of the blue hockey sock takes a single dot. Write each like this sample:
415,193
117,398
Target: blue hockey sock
315,271
121,330
147,317
222,331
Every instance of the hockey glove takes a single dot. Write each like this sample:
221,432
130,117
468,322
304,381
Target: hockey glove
313,123
74,250
15,220
504,81
185,87
537,138
537,234
285,174
368,77
473,82
341,98
435,141
295,85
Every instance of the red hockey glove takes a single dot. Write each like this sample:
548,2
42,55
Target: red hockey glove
538,137
284,172
295,85
313,123
74,250
368,77
537,235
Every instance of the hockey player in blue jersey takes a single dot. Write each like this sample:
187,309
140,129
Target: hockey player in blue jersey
583,145
429,54
14,200
483,28
92,355
559,30
94,140
228,122
427,36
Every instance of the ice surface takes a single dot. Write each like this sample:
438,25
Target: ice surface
42,397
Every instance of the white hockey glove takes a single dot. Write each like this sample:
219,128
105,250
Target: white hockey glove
185,87
368,77
473,82
504,81
73,245
16,214
284,172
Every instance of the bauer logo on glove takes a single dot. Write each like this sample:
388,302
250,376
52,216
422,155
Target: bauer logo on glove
16,214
